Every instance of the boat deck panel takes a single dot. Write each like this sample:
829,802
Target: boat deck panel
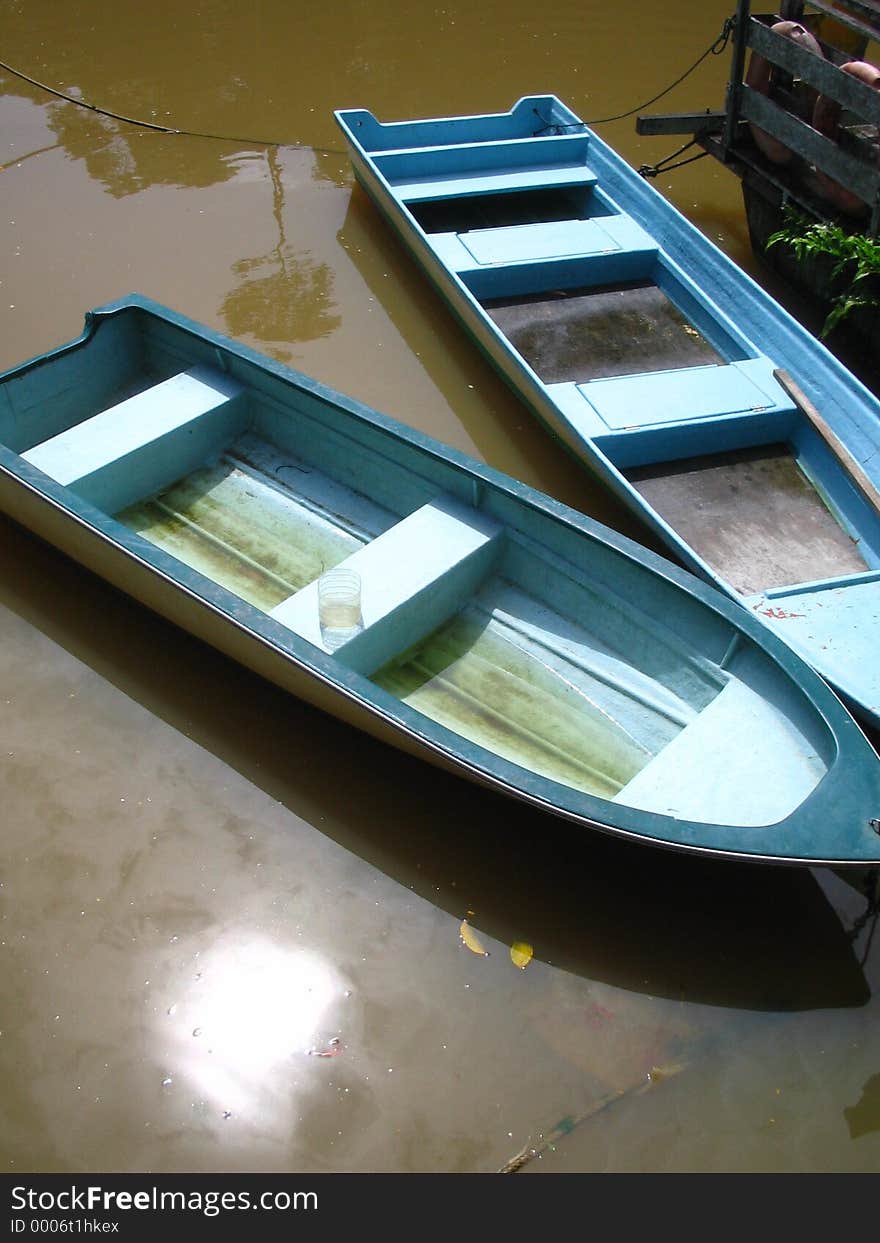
594,333
843,617
674,397
561,239
753,515
771,769
648,430
551,240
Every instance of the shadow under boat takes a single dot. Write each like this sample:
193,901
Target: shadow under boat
643,919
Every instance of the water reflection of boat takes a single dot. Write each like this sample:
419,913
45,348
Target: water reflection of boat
504,637
707,409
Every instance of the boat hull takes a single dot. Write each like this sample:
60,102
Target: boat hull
829,824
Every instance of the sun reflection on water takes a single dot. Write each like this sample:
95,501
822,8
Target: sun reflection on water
250,1007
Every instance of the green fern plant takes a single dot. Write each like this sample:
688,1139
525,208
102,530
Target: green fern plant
856,257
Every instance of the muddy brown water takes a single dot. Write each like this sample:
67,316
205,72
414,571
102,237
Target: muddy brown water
230,928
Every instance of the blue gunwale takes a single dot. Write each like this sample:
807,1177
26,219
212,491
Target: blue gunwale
830,827
724,304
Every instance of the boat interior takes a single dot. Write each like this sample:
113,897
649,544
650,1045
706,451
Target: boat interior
592,314
523,636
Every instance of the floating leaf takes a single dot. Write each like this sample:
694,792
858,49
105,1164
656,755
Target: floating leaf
471,940
521,954
658,1073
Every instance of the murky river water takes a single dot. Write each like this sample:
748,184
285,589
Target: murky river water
205,884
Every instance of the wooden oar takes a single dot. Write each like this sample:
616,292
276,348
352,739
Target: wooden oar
865,485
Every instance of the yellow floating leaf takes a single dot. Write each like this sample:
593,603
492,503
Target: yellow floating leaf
521,954
471,940
658,1073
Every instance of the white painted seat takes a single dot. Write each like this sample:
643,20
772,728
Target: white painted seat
414,576
132,449
423,189
85,448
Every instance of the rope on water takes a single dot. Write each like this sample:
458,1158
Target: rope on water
715,48
155,126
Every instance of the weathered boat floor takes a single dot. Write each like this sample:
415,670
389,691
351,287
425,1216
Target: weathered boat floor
602,331
540,693
492,211
753,515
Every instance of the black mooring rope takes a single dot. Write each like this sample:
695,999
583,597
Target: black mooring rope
715,49
155,126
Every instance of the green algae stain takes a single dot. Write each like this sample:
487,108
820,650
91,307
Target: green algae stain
250,537
470,679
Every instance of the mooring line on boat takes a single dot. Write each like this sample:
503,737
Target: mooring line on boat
664,165
159,128
715,48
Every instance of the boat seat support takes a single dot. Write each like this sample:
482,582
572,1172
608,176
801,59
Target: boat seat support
414,577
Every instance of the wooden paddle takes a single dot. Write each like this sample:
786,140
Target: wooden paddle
865,485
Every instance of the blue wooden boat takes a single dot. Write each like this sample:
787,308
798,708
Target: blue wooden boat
709,411
502,635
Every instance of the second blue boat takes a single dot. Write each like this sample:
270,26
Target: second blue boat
734,434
